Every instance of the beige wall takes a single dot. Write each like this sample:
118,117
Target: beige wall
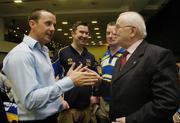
5,47
98,51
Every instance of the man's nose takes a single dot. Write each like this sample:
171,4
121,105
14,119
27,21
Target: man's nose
85,35
110,35
52,27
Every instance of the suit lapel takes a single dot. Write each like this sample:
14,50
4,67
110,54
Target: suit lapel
131,63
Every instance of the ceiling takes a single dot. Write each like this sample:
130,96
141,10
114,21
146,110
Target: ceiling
102,11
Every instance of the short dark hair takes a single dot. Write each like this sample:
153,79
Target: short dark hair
78,23
36,13
112,23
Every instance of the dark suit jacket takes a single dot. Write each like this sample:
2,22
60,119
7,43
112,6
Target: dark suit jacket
145,90
3,117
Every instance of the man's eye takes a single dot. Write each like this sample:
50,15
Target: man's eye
107,33
48,23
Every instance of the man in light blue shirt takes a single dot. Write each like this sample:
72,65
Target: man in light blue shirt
29,68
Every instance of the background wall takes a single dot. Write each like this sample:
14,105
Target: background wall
5,47
97,51
164,28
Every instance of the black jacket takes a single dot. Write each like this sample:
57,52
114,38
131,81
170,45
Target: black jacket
145,90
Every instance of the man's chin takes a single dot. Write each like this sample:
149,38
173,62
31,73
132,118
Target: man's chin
47,40
112,44
83,44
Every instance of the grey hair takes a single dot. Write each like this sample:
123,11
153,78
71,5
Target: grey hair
136,20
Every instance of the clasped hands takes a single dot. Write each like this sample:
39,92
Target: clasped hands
82,75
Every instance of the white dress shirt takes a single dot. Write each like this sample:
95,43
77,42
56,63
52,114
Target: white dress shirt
35,89
132,48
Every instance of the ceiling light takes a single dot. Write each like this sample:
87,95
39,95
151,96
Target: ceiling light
93,22
97,33
89,37
96,28
70,37
92,42
70,29
18,1
65,33
59,30
100,43
64,22
98,36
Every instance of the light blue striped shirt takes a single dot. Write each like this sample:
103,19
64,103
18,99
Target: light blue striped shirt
30,71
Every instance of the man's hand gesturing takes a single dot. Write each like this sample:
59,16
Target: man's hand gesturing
83,76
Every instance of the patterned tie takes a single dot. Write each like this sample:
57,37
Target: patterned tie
123,59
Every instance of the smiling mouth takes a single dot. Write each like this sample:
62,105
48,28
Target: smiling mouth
110,40
50,35
83,39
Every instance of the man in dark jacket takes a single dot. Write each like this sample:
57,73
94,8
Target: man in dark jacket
77,100
144,90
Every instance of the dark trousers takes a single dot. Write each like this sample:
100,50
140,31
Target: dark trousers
50,119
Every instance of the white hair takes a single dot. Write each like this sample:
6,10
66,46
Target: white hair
136,20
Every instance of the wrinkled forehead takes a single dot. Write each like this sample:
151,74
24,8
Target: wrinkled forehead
121,21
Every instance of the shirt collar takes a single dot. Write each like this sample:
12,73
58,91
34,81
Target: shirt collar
120,51
83,52
133,47
32,43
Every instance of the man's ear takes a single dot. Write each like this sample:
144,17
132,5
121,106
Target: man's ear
72,33
32,23
133,31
